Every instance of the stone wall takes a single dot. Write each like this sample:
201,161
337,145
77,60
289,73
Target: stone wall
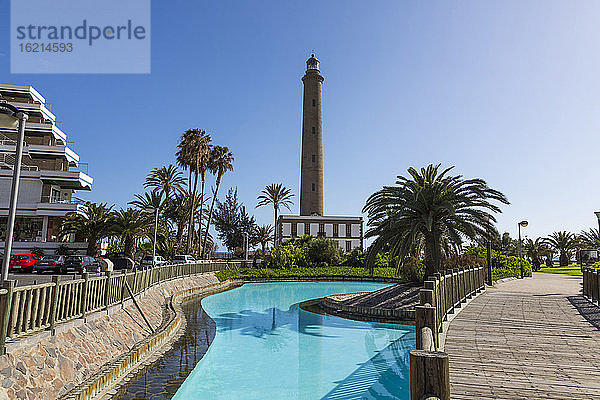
47,367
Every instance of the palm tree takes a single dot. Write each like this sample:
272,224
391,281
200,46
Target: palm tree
193,154
93,224
278,196
130,224
564,243
535,250
149,202
263,235
220,161
430,205
166,179
590,238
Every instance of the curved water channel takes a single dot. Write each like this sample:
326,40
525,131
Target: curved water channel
266,346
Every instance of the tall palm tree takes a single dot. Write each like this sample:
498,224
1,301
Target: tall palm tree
590,238
278,196
263,235
564,243
430,205
166,179
149,202
93,224
536,250
220,161
130,224
193,154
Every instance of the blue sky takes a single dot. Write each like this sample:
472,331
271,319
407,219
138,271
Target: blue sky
505,90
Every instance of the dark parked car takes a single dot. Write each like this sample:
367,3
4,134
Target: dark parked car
22,262
49,263
81,264
121,261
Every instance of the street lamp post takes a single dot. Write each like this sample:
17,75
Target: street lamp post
521,224
154,243
598,216
10,116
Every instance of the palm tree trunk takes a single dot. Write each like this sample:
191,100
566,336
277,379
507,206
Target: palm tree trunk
275,233
92,248
212,204
192,213
432,254
201,209
129,246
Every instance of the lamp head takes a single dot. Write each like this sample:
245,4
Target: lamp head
8,116
523,223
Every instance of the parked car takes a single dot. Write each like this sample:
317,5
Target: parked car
158,260
121,261
22,262
81,264
183,259
51,263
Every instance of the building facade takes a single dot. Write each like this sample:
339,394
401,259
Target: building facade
347,231
51,173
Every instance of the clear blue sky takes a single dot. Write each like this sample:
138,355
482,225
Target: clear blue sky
506,90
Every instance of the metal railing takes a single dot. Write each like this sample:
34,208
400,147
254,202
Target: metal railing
28,309
441,295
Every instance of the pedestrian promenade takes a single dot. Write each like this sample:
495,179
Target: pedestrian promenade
535,338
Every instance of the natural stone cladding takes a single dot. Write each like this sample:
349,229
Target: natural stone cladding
47,367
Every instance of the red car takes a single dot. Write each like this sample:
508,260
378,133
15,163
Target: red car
23,262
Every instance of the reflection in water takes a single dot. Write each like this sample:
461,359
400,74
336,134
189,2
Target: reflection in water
161,379
266,346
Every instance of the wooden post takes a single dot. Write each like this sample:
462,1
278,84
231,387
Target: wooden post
429,375
107,290
425,318
594,286
5,309
84,293
54,303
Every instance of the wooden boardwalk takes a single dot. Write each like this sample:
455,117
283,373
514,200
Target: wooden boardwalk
528,339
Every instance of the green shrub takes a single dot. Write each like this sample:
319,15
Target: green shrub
502,266
381,260
288,255
355,258
323,252
270,273
412,270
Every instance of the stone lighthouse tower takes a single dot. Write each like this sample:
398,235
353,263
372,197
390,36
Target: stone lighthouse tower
311,174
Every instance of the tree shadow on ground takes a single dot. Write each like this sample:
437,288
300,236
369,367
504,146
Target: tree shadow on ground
587,309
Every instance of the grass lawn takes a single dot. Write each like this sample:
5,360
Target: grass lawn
572,269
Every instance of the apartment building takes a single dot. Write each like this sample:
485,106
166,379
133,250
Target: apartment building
51,174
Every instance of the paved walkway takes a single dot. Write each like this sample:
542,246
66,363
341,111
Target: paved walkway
535,338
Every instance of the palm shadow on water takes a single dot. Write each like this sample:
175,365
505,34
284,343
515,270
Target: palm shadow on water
259,324
384,376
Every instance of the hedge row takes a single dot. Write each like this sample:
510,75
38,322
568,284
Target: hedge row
304,272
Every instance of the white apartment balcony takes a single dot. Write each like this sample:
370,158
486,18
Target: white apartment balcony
34,128
39,151
54,209
21,90
75,180
35,108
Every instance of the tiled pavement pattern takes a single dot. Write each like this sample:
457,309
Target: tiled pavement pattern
526,339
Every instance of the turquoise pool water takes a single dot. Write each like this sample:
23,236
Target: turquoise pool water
266,347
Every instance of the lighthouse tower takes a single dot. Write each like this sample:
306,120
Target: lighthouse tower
347,231
311,174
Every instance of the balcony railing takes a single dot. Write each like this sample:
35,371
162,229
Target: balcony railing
72,200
